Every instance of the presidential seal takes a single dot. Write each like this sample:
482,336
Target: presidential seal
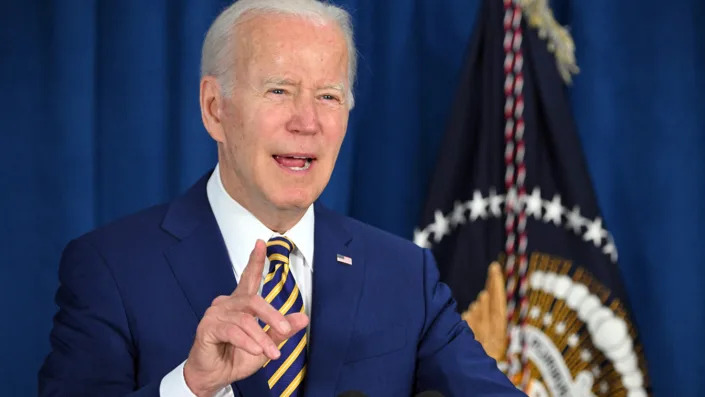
576,342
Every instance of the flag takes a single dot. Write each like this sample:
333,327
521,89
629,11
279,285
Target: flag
511,186
344,259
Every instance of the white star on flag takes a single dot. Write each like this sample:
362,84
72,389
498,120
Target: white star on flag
595,232
575,220
421,238
477,206
495,202
458,216
554,210
440,226
533,204
610,249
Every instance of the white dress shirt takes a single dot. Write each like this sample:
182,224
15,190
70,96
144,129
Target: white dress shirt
240,230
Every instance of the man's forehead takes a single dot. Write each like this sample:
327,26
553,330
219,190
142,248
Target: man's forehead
268,27
269,45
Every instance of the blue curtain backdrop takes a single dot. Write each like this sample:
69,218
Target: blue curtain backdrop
99,117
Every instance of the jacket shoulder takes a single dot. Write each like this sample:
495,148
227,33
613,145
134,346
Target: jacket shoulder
153,226
130,232
378,241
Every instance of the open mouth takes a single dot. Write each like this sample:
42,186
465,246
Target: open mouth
294,162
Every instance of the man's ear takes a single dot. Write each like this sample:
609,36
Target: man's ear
211,100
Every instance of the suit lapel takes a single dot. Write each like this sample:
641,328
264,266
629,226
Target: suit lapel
336,292
200,262
201,266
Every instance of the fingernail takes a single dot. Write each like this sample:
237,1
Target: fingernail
274,352
285,327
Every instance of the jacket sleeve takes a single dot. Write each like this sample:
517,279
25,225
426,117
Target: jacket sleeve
91,346
450,360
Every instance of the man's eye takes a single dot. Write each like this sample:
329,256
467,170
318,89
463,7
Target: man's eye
277,91
329,97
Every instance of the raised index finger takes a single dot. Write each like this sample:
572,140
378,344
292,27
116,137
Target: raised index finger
252,275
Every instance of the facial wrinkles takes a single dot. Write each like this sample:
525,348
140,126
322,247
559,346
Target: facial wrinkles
267,49
264,52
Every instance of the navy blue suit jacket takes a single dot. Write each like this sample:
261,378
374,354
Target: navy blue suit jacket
132,294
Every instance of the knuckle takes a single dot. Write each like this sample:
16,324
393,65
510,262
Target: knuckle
211,312
263,338
236,338
254,303
224,329
241,317
240,286
200,331
218,299
204,325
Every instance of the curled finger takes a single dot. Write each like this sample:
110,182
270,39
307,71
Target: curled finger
230,333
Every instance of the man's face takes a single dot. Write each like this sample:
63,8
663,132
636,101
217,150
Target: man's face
285,121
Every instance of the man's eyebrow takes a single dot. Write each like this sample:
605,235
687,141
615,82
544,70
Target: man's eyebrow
338,86
284,81
279,81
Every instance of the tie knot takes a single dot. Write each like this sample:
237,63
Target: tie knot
278,247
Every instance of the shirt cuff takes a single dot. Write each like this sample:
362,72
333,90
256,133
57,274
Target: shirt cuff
174,385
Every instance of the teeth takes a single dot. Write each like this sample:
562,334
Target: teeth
305,167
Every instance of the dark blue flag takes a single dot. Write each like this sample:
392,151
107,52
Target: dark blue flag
511,186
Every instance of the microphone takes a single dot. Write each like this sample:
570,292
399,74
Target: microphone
430,393
352,393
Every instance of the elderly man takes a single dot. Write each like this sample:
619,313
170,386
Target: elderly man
244,286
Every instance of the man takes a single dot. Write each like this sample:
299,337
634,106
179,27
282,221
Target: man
150,305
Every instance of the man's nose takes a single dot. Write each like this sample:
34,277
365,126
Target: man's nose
304,119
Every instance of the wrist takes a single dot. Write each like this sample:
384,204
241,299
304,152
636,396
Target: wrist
196,387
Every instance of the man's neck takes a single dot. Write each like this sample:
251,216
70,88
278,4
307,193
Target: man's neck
275,219
280,221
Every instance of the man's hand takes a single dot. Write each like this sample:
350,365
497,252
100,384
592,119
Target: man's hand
487,316
230,344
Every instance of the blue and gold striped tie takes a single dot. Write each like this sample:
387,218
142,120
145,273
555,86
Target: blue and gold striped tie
286,374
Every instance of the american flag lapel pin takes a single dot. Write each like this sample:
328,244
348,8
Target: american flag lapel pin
344,259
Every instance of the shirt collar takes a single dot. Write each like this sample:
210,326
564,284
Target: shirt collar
240,229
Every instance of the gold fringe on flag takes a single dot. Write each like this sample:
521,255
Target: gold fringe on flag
559,42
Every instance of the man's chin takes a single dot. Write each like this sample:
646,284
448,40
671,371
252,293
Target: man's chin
295,201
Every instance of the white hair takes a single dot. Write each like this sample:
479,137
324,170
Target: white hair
217,55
